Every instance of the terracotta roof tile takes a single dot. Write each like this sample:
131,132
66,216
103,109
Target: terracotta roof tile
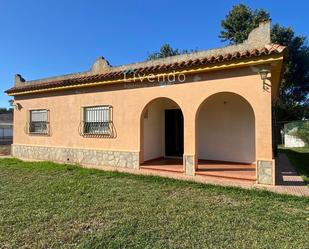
266,50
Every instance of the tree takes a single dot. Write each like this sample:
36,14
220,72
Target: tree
5,110
294,91
165,51
239,22
303,132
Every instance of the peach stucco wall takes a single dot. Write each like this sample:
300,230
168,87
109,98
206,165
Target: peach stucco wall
128,105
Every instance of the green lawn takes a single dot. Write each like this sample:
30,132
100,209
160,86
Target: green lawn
46,205
299,157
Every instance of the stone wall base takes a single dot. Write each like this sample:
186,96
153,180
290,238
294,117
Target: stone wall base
124,159
189,162
265,172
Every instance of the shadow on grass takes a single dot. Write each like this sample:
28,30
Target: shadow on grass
299,157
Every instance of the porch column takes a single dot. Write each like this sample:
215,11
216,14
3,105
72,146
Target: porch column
190,141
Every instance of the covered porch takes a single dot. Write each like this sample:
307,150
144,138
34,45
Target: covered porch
224,138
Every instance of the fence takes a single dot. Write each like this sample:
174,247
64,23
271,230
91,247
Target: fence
6,133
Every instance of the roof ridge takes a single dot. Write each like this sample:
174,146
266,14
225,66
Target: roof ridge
135,65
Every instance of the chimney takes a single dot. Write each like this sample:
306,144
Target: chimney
101,66
260,36
19,80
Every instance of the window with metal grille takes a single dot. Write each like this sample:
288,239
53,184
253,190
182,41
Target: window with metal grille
39,123
97,120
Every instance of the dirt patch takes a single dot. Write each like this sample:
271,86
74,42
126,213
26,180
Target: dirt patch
5,150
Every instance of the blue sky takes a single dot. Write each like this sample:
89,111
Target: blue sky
46,38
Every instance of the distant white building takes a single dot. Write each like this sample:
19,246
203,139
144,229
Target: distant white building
290,140
293,141
6,128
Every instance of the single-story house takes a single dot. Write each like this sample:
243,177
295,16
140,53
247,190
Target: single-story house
184,112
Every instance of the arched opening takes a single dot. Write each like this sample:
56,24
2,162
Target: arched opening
226,136
162,135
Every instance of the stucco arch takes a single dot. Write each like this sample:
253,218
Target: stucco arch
155,99
225,124
204,100
152,127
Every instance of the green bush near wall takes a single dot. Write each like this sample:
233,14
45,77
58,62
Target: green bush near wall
303,132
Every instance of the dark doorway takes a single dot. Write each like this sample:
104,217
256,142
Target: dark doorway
173,133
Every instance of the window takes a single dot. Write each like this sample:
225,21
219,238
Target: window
97,120
38,122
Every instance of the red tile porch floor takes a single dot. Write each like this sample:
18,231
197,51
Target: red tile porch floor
218,169
164,164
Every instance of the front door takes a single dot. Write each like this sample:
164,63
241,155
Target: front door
173,133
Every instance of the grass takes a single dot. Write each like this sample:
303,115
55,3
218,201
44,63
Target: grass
299,157
47,205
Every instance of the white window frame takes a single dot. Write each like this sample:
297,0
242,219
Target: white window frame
43,121
97,120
